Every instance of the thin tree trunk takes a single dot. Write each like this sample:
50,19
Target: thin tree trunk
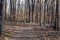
45,11
10,9
33,4
40,12
29,10
5,9
56,27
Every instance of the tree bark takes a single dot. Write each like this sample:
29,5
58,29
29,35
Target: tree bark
33,4
1,16
56,27
29,10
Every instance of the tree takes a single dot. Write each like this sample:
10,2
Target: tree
12,9
33,4
56,27
1,16
40,13
28,4
5,6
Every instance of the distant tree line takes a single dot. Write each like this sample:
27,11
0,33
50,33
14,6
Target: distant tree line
34,11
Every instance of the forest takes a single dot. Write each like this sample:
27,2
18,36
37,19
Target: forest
41,12
30,19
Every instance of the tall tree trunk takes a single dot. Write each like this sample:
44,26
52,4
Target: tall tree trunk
56,27
29,10
18,11
52,13
12,9
1,16
40,13
33,4
5,9
45,11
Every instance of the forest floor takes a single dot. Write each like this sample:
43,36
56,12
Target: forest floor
30,32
